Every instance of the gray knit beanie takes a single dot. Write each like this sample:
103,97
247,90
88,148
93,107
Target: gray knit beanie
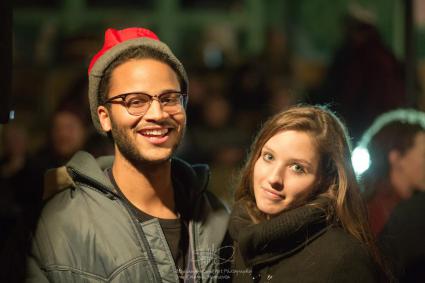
116,42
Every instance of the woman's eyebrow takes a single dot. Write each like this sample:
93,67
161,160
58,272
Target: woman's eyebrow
265,147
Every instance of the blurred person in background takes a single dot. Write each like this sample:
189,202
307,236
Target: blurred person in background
221,143
20,201
75,100
16,173
299,215
66,136
14,150
394,188
141,215
283,95
248,94
364,74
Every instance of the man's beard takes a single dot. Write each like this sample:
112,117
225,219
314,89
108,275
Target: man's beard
129,149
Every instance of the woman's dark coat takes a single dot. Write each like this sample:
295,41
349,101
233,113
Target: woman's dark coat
297,246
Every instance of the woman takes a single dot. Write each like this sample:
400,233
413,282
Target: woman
299,216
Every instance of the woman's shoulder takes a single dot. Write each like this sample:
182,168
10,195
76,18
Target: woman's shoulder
346,258
345,251
341,243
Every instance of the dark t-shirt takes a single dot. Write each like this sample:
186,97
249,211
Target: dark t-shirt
175,230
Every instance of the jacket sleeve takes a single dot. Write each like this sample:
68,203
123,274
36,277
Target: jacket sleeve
34,272
40,247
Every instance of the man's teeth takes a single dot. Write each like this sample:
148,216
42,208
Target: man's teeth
155,132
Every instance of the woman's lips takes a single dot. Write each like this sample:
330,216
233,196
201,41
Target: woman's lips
272,194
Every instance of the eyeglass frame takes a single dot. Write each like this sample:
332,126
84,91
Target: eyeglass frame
183,100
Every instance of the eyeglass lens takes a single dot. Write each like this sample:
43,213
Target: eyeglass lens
139,103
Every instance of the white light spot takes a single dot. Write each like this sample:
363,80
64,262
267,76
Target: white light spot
360,160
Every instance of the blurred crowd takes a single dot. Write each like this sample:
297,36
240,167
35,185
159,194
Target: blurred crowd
230,96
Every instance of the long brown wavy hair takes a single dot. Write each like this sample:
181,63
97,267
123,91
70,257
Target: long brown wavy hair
337,180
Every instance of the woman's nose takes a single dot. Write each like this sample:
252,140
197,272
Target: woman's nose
275,178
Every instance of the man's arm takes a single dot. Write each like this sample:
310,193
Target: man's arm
34,272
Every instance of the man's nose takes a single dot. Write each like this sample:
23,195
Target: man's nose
155,111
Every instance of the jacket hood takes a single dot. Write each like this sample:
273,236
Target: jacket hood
84,168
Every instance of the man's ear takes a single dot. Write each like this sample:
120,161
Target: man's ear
394,157
104,118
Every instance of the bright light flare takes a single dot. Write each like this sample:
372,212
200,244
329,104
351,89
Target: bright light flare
360,160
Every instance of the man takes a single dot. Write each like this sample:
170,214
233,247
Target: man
395,190
141,216
401,240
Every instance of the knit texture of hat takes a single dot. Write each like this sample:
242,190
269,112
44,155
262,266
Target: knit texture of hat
116,42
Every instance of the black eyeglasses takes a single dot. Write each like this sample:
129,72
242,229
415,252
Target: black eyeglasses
138,103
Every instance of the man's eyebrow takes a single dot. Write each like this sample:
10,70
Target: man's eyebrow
159,94
170,91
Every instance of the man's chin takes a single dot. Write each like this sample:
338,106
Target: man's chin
154,160
142,156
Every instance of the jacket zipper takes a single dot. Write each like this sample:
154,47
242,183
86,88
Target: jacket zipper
195,245
144,241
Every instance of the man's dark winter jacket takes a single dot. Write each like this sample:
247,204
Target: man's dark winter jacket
87,233
297,246
402,239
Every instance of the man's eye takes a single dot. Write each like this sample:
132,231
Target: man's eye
166,100
169,99
137,101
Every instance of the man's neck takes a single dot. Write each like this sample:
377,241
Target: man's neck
400,184
149,188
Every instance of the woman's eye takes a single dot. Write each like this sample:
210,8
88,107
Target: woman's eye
297,168
267,157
